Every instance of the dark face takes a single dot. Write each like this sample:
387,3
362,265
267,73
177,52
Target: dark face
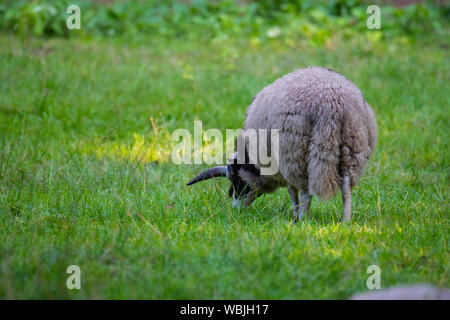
241,191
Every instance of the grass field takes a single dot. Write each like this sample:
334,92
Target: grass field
86,176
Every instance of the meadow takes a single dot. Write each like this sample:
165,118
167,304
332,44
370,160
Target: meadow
86,177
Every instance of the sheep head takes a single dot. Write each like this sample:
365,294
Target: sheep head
241,191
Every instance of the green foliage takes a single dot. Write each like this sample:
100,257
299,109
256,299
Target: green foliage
217,19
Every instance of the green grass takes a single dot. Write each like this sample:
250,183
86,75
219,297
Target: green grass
85,177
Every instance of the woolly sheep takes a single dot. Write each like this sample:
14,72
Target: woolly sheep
327,132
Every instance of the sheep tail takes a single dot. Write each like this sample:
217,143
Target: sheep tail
324,152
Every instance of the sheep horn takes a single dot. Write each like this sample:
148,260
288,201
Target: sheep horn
220,171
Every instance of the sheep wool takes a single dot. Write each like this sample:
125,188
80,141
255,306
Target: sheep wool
327,131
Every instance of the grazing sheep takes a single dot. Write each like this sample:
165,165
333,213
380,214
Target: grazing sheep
327,132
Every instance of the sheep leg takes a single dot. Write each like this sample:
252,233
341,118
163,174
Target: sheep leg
293,193
305,204
347,198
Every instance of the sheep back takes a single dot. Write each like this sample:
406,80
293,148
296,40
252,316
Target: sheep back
326,128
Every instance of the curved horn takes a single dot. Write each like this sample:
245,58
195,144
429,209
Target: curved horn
220,171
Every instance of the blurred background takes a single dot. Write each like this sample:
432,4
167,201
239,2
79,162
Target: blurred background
289,20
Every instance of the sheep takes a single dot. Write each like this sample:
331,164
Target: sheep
327,133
